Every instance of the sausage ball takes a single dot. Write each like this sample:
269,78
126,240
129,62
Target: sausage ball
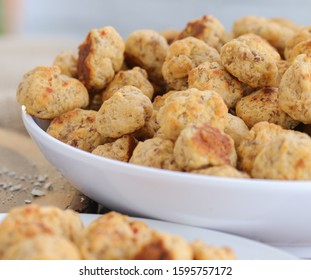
77,128
213,76
263,105
125,112
295,88
191,106
208,29
136,77
184,55
200,146
100,57
46,93
67,61
236,129
252,60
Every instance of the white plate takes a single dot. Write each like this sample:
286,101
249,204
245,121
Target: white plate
244,249
273,212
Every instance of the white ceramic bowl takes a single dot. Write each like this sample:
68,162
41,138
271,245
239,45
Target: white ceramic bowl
274,212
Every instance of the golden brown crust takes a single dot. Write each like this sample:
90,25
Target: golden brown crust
155,152
294,89
201,146
263,105
191,106
47,93
67,62
147,48
252,60
213,76
77,128
203,251
236,129
100,57
136,77
123,113
208,29
43,247
30,221
120,149
183,55
284,158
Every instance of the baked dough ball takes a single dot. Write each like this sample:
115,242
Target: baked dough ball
120,149
203,251
184,55
76,128
123,113
136,77
155,152
304,34
295,89
163,246
303,47
43,247
26,222
208,29
170,35
252,60
213,76
222,171
67,61
263,105
287,158
274,32
100,57
191,106
200,146
114,236
236,129
147,48
47,93
259,136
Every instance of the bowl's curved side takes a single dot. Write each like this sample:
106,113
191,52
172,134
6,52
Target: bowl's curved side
274,212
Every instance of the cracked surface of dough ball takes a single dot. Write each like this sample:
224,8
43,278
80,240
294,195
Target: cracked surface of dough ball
191,106
43,247
67,61
114,236
274,32
147,48
100,57
213,76
236,129
260,135
263,105
222,171
304,34
208,29
123,113
120,149
76,128
26,222
200,146
155,152
47,93
204,251
184,55
295,89
163,246
252,60
136,77
284,159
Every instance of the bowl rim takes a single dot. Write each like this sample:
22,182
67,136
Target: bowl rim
290,185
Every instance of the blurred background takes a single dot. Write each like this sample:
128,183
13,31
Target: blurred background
33,32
